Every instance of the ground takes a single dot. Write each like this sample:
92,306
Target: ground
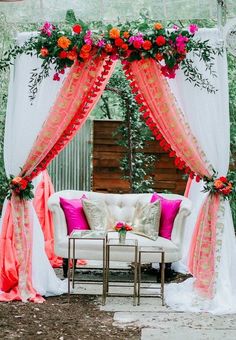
56,319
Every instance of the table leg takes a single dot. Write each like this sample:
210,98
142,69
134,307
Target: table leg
104,272
68,274
139,277
162,277
135,274
73,265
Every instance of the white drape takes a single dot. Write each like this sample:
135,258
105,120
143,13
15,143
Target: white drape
208,116
23,123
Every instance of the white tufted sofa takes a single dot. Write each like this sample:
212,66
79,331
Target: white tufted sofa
122,207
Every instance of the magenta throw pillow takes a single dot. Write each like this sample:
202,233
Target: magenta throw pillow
169,210
74,214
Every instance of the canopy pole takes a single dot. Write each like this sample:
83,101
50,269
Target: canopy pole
221,13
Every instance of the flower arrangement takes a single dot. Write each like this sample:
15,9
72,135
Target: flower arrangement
21,186
220,185
123,227
130,41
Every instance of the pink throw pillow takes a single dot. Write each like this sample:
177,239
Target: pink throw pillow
169,210
74,214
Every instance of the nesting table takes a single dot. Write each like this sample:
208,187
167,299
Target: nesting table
107,246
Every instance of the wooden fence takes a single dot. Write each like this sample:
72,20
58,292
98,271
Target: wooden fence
106,161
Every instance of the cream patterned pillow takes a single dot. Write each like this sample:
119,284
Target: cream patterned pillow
97,214
146,219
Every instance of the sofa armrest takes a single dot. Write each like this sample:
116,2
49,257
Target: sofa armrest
60,226
179,223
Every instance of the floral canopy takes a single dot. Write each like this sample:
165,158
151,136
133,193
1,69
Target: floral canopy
148,58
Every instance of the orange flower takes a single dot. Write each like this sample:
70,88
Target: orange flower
86,48
44,52
63,42
218,184
114,33
158,26
125,47
126,35
84,55
108,48
72,55
147,45
159,56
16,180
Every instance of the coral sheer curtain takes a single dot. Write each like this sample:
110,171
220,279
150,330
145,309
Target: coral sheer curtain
79,94
44,190
163,116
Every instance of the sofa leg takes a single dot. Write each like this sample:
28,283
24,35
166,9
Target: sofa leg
65,264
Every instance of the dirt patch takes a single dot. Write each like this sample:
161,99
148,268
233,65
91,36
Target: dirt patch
56,319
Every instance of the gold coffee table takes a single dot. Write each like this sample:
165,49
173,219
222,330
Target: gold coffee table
131,243
151,250
81,236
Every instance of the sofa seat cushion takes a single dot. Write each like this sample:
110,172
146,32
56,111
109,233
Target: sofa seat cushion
121,254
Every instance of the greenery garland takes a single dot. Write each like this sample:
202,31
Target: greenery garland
60,47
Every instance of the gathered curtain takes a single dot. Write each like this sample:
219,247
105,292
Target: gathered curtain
79,94
167,122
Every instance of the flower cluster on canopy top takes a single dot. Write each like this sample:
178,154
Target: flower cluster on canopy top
168,47
220,185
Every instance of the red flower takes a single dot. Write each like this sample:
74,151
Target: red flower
226,191
147,45
23,184
86,48
137,44
125,47
63,54
159,56
160,41
119,42
84,55
77,29
223,179
108,48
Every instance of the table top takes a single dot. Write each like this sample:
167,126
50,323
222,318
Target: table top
151,249
88,234
126,243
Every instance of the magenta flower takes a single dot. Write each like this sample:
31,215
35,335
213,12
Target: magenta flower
47,28
193,28
101,43
56,77
181,43
87,38
175,27
136,38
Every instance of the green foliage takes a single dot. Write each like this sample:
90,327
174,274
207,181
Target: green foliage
136,166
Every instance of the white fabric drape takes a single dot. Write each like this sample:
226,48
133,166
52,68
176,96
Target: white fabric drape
23,123
208,116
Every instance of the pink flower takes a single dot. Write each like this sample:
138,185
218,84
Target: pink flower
47,28
193,28
175,27
87,38
101,43
136,38
181,43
